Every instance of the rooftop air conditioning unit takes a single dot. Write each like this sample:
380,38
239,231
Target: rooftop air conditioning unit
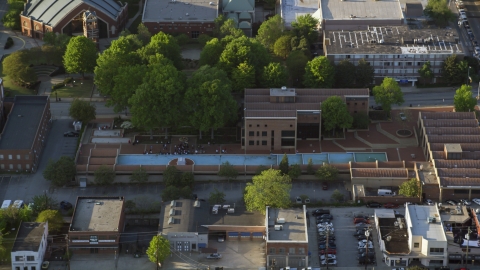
196,203
231,210
171,221
172,203
172,212
280,220
278,227
432,220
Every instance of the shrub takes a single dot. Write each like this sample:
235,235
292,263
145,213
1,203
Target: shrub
68,80
57,86
9,43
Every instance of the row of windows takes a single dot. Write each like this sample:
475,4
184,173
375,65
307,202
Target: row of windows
12,166
285,133
10,157
348,103
252,133
26,268
22,258
388,56
291,251
189,24
436,250
258,142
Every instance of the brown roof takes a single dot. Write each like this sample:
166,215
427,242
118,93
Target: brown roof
471,155
455,181
282,106
453,130
450,123
391,164
363,165
341,166
252,98
279,114
447,115
464,163
380,173
466,147
257,91
454,139
334,92
458,172
438,155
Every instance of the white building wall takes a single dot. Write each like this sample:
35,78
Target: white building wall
36,264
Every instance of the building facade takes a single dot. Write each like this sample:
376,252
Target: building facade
274,119
30,245
67,17
190,17
394,51
24,134
96,225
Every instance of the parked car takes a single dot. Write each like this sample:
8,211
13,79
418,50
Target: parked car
324,224
360,220
364,250
325,186
298,200
71,134
328,256
214,256
324,237
65,205
451,202
428,202
390,205
361,216
329,262
359,232
465,202
326,229
402,116
363,237
319,212
329,251
327,216
378,108
324,246
323,220
374,205
324,242
221,239
365,244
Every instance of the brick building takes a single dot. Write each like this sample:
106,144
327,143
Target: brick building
190,17
67,17
287,237
96,225
24,133
276,118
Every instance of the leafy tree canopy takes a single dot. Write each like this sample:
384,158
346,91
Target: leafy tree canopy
410,188
426,72
80,55
15,66
337,196
296,65
270,31
364,73
165,44
211,52
216,197
319,73
126,82
57,40
282,46
159,249
228,171
139,175
344,74
294,171
454,71
82,110
327,173
361,120
104,175
243,76
387,94
306,26
143,34
54,218
60,172
270,188
43,202
283,166
274,75
439,12
230,28
335,114
463,100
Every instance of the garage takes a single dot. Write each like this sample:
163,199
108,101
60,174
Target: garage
218,236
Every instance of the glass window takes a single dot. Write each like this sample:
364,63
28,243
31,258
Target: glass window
436,250
195,34
301,251
271,250
27,157
288,133
30,258
10,157
288,142
251,142
10,166
27,166
416,245
281,250
251,133
264,133
18,157
19,258
291,251
19,166
1,157
264,142
2,166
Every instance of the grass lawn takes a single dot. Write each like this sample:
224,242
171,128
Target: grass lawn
78,90
14,89
134,26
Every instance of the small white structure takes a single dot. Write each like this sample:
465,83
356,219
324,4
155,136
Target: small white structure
77,125
30,246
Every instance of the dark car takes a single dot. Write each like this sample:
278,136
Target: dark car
324,237
374,205
364,250
329,251
319,212
324,246
363,237
65,205
360,232
324,185
71,134
323,220
324,242
361,216
378,108
390,205
360,220
366,260
451,202
326,216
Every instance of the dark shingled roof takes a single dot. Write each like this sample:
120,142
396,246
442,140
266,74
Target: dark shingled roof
29,236
23,122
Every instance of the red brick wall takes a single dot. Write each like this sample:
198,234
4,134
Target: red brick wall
287,247
258,125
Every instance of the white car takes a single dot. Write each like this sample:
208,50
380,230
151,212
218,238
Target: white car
465,201
325,224
329,256
298,200
370,245
402,116
329,262
326,229
476,200
429,202
214,256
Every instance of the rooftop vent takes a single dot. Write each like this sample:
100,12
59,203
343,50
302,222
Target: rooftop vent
280,220
284,88
186,14
278,227
231,210
211,4
432,220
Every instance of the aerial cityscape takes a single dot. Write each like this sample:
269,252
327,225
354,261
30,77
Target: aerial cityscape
239,134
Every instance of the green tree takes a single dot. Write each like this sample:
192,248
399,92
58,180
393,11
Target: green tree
271,188
296,64
139,175
387,94
53,55
319,73
165,44
306,26
426,72
270,31
171,176
185,192
25,214
327,173
229,28
54,218
410,188
364,73
260,169
216,197
143,34
159,249
282,46
335,114
439,12
60,172
158,101
337,196
15,66
274,75
211,52
56,40
295,171
80,55
228,171
283,166
243,77
187,179
454,71
203,39
122,52
11,215
344,74
43,202
27,75
82,110
300,44
12,18
127,80
208,98
182,39
104,175
170,193
219,21
463,101
310,169
361,120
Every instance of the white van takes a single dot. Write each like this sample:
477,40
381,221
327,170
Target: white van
6,204
385,192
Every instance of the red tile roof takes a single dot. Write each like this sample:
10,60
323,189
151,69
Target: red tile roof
450,123
279,114
466,147
464,163
363,165
452,131
458,172
447,115
454,181
380,173
454,139
391,164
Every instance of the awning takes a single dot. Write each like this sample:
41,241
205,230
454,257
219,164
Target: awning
232,234
202,245
245,234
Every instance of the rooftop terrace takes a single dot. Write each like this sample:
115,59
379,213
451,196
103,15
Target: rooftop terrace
293,225
97,214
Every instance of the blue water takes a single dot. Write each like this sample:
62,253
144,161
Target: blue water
252,159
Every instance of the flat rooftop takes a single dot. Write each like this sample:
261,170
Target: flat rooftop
361,10
23,122
97,214
29,236
294,229
450,214
291,9
395,239
180,11
420,225
393,40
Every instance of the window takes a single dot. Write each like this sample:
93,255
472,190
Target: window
301,251
291,125
409,63
36,27
251,133
2,166
288,142
26,167
18,157
195,34
265,125
19,258
273,133
348,56
436,250
348,103
281,250
366,56
10,166
291,251
10,157
288,133
258,133
251,142
1,157
250,125
19,166
30,258
264,142
416,245
264,133
258,125
271,251
258,142
355,103
27,157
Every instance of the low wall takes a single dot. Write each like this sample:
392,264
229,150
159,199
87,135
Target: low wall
390,199
101,161
104,152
